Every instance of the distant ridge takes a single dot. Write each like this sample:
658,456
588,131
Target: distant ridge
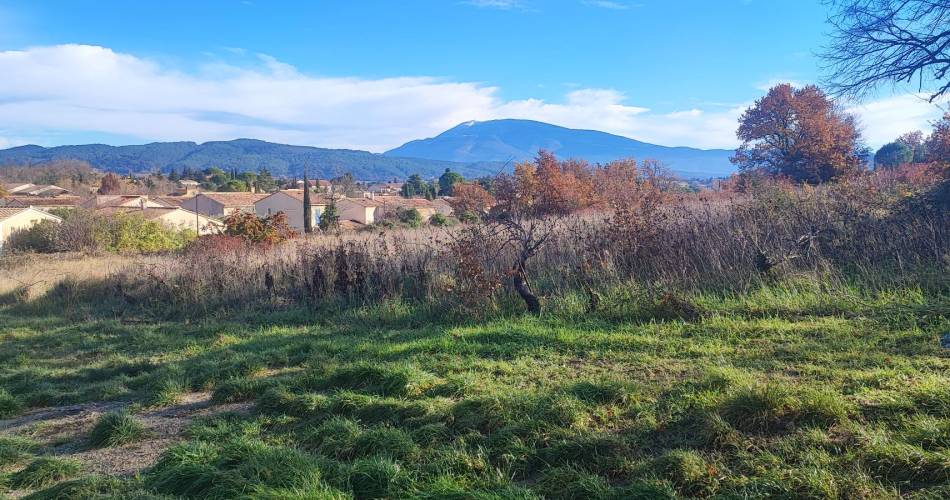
244,155
472,148
501,140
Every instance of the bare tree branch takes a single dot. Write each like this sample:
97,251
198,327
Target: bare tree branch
878,42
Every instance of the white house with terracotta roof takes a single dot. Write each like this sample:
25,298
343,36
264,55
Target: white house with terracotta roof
16,219
172,217
426,208
290,202
222,204
362,210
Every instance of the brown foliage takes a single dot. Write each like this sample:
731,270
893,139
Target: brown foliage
545,187
938,144
469,197
474,281
76,176
272,229
111,184
798,133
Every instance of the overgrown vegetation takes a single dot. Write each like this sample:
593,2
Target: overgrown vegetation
87,231
878,230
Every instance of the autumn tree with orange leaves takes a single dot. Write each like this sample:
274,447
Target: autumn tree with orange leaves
938,144
799,134
526,207
471,198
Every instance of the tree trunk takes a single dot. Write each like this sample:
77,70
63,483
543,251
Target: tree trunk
520,282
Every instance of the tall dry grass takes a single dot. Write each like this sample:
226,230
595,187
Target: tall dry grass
858,231
25,276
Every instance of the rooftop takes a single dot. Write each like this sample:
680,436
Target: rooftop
315,198
366,202
7,212
148,212
235,199
53,201
406,202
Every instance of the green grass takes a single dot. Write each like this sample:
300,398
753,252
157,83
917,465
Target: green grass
14,450
9,406
44,471
115,429
780,392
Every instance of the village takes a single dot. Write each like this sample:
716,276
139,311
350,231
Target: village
191,208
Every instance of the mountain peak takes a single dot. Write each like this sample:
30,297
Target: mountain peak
506,140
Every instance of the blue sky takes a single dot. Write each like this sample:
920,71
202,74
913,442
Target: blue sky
372,74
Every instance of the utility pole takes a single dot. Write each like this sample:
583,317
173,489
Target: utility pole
307,207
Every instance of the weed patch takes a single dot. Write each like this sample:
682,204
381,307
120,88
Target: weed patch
44,471
9,405
114,429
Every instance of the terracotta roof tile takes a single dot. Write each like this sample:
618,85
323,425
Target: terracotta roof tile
235,199
52,201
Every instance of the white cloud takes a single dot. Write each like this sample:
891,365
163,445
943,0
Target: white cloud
88,90
884,120
495,4
606,4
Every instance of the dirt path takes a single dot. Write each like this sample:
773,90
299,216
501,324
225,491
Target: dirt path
63,431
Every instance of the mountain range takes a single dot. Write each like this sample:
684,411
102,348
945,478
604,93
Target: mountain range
473,149
517,140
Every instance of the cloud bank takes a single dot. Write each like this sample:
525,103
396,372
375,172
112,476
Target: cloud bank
65,90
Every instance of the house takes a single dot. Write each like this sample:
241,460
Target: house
290,202
122,200
320,185
188,187
28,189
42,202
174,200
222,204
385,188
14,219
172,217
16,187
362,210
391,205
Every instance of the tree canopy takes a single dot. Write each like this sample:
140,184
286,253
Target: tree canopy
415,187
798,133
447,182
893,154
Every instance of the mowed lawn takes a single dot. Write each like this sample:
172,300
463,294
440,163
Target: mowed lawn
775,393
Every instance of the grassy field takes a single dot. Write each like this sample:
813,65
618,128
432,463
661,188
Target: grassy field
781,392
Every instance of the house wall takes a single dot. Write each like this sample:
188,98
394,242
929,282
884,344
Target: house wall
204,205
354,211
24,220
290,206
247,209
182,219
